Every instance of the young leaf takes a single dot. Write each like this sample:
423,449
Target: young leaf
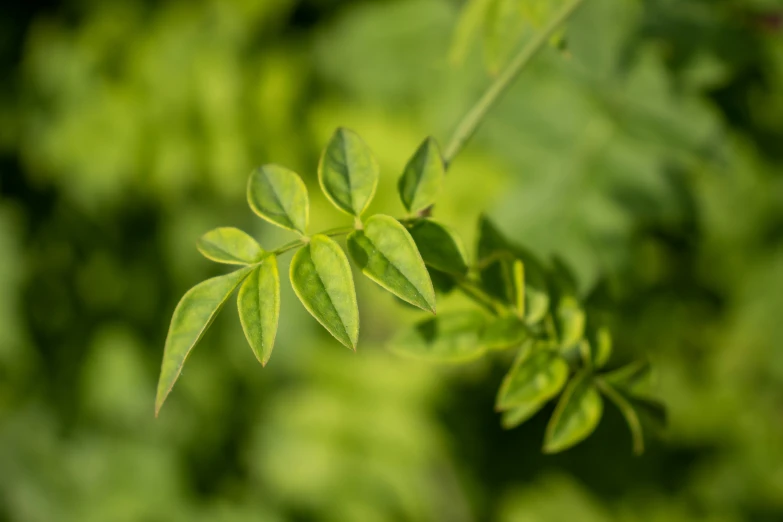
439,246
422,178
259,308
348,172
192,316
279,196
229,245
449,338
323,282
536,377
505,332
600,342
569,321
387,254
576,415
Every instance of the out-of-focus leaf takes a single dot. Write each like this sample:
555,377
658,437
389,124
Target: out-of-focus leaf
536,376
628,376
422,178
570,321
192,316
440,247
628,412
452,337
441,281
259,308
505,332
576,416
348,172
651,413
599,340
470,22
495,256
279,196
229,245
322,280
387,254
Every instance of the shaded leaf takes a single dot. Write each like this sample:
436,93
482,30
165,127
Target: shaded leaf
229,245
576,416
258,303
348,172
519,414
538,375
651,413
192,316
449,338
440,246
629,414
279,196
422,178
505,332
322,280
387,254
628,376
600,344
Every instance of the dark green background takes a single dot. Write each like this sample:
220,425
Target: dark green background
647,149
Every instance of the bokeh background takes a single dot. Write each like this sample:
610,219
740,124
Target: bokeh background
646,149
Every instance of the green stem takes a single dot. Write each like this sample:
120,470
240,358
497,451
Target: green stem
470,122
479,296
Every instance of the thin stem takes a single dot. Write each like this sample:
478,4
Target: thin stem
479,296
467,127
288,246
339,231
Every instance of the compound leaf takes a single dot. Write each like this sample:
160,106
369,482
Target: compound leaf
576,416
279,196
387,254
192,316
258,303
449,338
322,280
348,172
229,245
538,375
440,247
422,178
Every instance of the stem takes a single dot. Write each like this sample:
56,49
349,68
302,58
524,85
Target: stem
470,122
479,296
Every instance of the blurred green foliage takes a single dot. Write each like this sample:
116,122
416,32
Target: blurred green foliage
644,150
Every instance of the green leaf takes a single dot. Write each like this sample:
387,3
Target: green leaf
192,316
279,196
229,245
440,247
323,282
518,415
537,375
387,254
576,416
495,257
348,172
449,338
570,321
651,412
259,308
422,178
600,343
628,413
505,332
628,376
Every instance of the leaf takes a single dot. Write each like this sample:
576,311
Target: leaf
600,343
628,413
422,178
505,332
449,338
439,246
518,415
628,376
576,415
470,21
495,257
387,254
348,172
279,196
229,245
192,316
538,375
259,308
323,282
651,412
570,321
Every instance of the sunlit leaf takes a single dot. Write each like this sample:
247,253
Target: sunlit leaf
279,196
440,247
387,254
505,332
570,321
192,316
537,375
348,172
229,245
449,338
422,178
322,279
259,308
576,416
